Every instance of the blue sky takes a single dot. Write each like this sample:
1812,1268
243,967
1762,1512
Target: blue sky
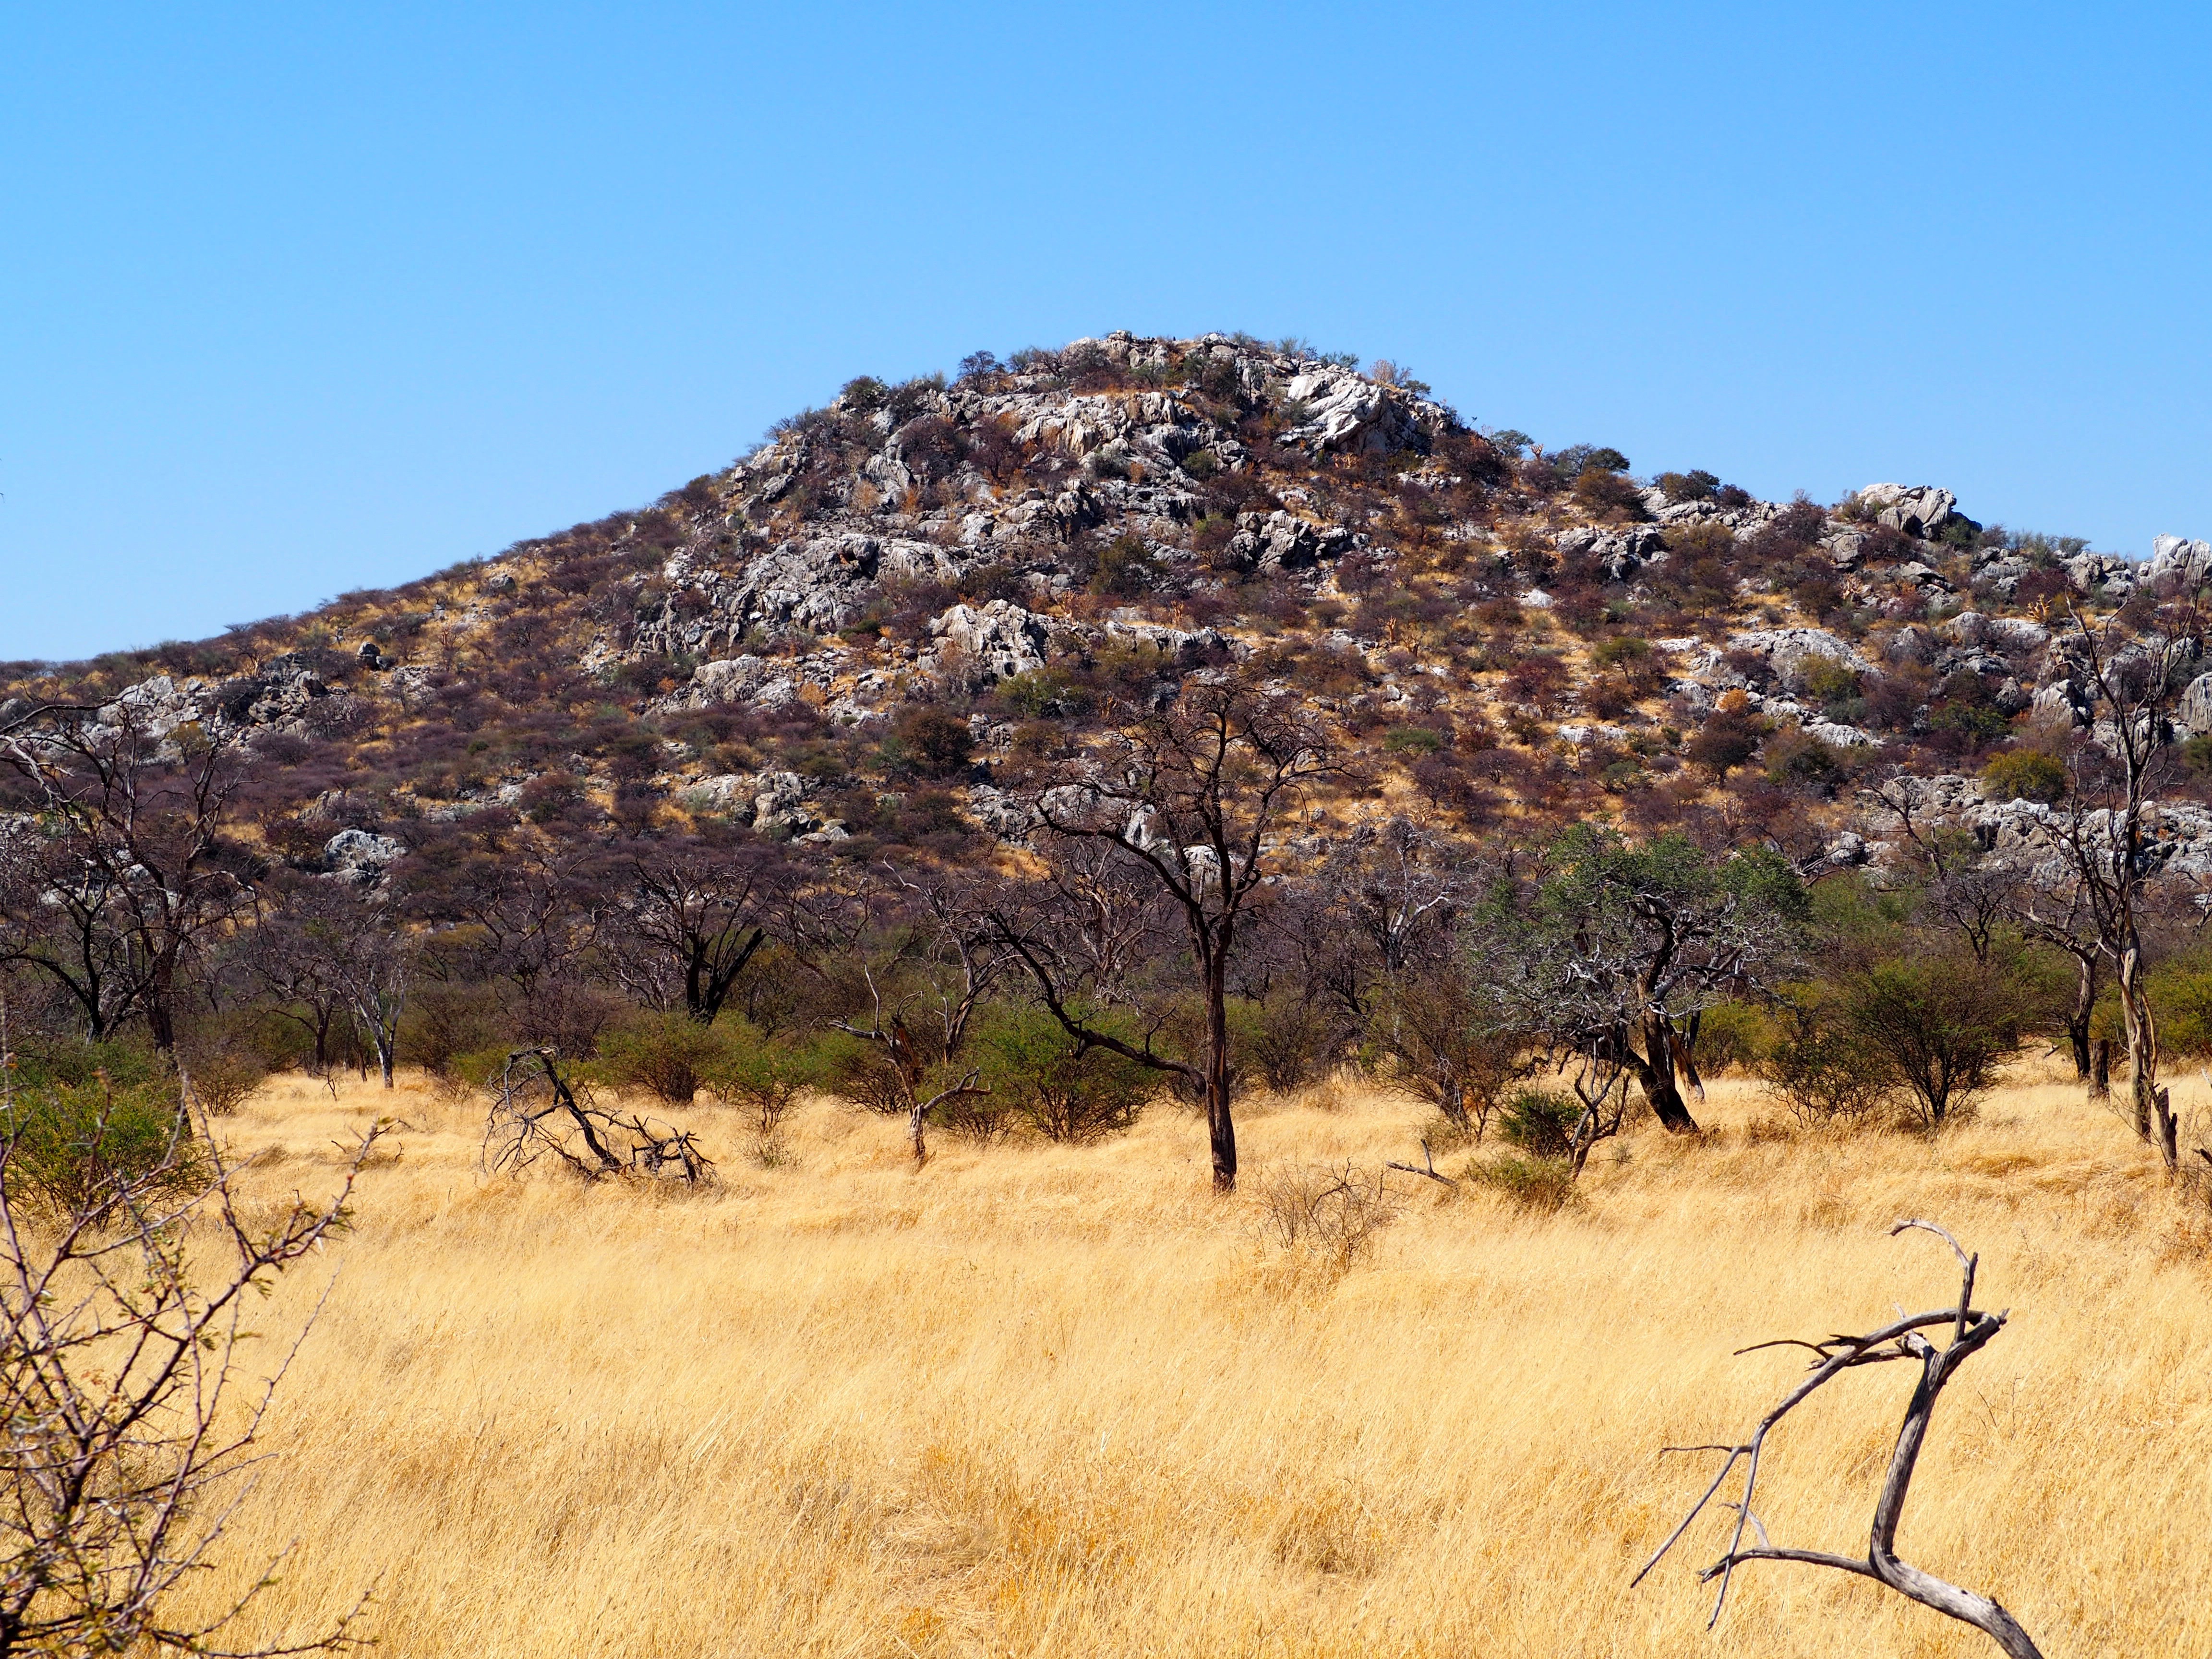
303,299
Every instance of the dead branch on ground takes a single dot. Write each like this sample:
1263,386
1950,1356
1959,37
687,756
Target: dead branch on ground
1971,1330
536,1114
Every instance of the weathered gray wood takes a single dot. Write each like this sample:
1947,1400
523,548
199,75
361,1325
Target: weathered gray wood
1971,1330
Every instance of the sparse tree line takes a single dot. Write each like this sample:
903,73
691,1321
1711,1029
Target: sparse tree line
1180,925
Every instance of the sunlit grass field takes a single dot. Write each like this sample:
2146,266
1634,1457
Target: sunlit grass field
1035,1401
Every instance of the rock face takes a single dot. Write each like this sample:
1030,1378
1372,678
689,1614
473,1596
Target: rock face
2193,716
1347,411
1790,649
994,642
1921,511
1283,541
2179,841
1622,551
2190,562
360,857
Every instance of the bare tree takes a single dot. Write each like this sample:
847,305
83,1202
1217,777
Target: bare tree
131,1421
327,953
909,960
692,918
120,875
1192,796
1971,1330
2101,886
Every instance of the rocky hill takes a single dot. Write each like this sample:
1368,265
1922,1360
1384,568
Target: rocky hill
858,635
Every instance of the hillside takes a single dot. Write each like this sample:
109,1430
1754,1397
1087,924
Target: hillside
853,636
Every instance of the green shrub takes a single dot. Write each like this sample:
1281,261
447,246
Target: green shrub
1036,1071
2024,775
1412,740
1696,485
1534,1183
1733,1034
925,738
1795,757
84,1120
760,1075
1540,1121
669,1055
1823,1073
1125,569
1826,680
2181,1000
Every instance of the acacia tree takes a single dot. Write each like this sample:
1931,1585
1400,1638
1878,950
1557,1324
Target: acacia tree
119,874
1608,950
1188,799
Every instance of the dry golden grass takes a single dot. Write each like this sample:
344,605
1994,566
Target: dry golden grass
1036,1400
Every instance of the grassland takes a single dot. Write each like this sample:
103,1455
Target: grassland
1036,1400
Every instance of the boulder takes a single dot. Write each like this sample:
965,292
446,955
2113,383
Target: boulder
730,679
1621,551
1789,649
996,641
361,856
1919,510
1283,541
2190,562
780,805
2192,716
1345,410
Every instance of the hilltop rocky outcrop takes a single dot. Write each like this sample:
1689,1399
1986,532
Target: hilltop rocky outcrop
1500,631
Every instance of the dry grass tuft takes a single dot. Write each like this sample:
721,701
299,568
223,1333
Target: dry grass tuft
1040,1400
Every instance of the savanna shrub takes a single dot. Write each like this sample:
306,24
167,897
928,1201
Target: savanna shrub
2024,775
83,1121
763,1076
1544,1184
1037,1072
1540,1121
671,1055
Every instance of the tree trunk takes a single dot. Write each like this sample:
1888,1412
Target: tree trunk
1656,1072
2100,1071
1221,1128
2148,1102
2077,1022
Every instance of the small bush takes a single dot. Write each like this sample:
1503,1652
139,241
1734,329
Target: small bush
1126,568
1821,1074
84,1120
761,1076
1732,1034
671,1055
1036,1072
2024,775
1539,1121
931,741
1412,740
1332,1215
1696,485
1545,1184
